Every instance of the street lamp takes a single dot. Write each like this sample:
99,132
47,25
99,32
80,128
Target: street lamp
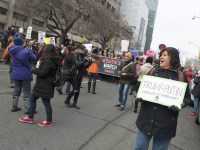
194,17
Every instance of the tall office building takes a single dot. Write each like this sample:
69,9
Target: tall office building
152,5
135,13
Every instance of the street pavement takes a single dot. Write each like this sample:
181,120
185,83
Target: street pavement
98,125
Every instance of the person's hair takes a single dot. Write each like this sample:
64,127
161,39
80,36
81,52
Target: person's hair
149,60
70,48
49,52
173,61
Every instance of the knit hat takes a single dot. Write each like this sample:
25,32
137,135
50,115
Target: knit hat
174,52
128,55
18,41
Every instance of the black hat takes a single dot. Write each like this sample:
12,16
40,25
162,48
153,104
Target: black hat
174,52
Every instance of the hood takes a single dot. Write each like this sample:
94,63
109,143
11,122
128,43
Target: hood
148,65
15,49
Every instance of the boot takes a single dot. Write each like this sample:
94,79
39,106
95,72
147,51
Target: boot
93,87
136,107
15,104
89,86
67,101
26,105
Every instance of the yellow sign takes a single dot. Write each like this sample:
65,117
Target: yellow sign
47,41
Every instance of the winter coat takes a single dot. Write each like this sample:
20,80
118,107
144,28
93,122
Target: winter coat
94,67
129,71
157,120
22,59
44,87
144,69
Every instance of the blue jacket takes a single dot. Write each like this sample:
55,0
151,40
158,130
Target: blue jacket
22,59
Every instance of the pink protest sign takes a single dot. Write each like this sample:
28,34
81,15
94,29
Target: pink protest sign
149,52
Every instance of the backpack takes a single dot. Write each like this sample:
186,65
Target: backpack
56,77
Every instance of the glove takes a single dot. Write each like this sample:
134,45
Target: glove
175,108
139,100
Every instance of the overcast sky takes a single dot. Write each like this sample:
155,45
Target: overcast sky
175,27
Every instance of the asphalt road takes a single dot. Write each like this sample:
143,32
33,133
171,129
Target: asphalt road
98,125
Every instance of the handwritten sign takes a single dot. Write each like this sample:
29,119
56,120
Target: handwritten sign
162,91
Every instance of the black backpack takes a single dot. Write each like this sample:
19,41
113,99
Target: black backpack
57,76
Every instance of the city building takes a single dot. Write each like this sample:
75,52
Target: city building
135,12
152,6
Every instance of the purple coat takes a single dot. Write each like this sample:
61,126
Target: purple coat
22,65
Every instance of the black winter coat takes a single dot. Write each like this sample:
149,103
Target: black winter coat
44,87
157,120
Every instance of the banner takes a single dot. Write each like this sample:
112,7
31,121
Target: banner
52,40
162,91
109,66
41,36
29,31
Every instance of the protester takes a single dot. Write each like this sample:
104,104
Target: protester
144,69
195,81
21,72
127,72
44,87
93,70
157,121
189,74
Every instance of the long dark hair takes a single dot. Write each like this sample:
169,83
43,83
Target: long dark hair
49,52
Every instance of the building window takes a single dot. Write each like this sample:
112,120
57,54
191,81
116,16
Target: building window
37,22
3,11
1,27
19,17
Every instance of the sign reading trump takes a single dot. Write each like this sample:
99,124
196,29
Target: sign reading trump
162,91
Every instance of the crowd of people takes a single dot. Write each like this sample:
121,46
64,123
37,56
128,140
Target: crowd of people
154,120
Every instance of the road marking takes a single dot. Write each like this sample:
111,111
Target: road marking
87,81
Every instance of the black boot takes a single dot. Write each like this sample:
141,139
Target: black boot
93,87
136,107
67,101
89,87
15,104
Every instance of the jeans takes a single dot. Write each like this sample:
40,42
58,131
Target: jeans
92,77
142,142
68,87
47,105
123,93
196,101
22,84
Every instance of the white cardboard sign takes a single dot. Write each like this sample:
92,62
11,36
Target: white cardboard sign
162,91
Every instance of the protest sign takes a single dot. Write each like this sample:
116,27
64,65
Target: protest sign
41,36
47,41
124,45
52,40
149,52
109,66
88,47
162,91
29,31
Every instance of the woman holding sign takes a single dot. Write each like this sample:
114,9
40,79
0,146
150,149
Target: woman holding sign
154,120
